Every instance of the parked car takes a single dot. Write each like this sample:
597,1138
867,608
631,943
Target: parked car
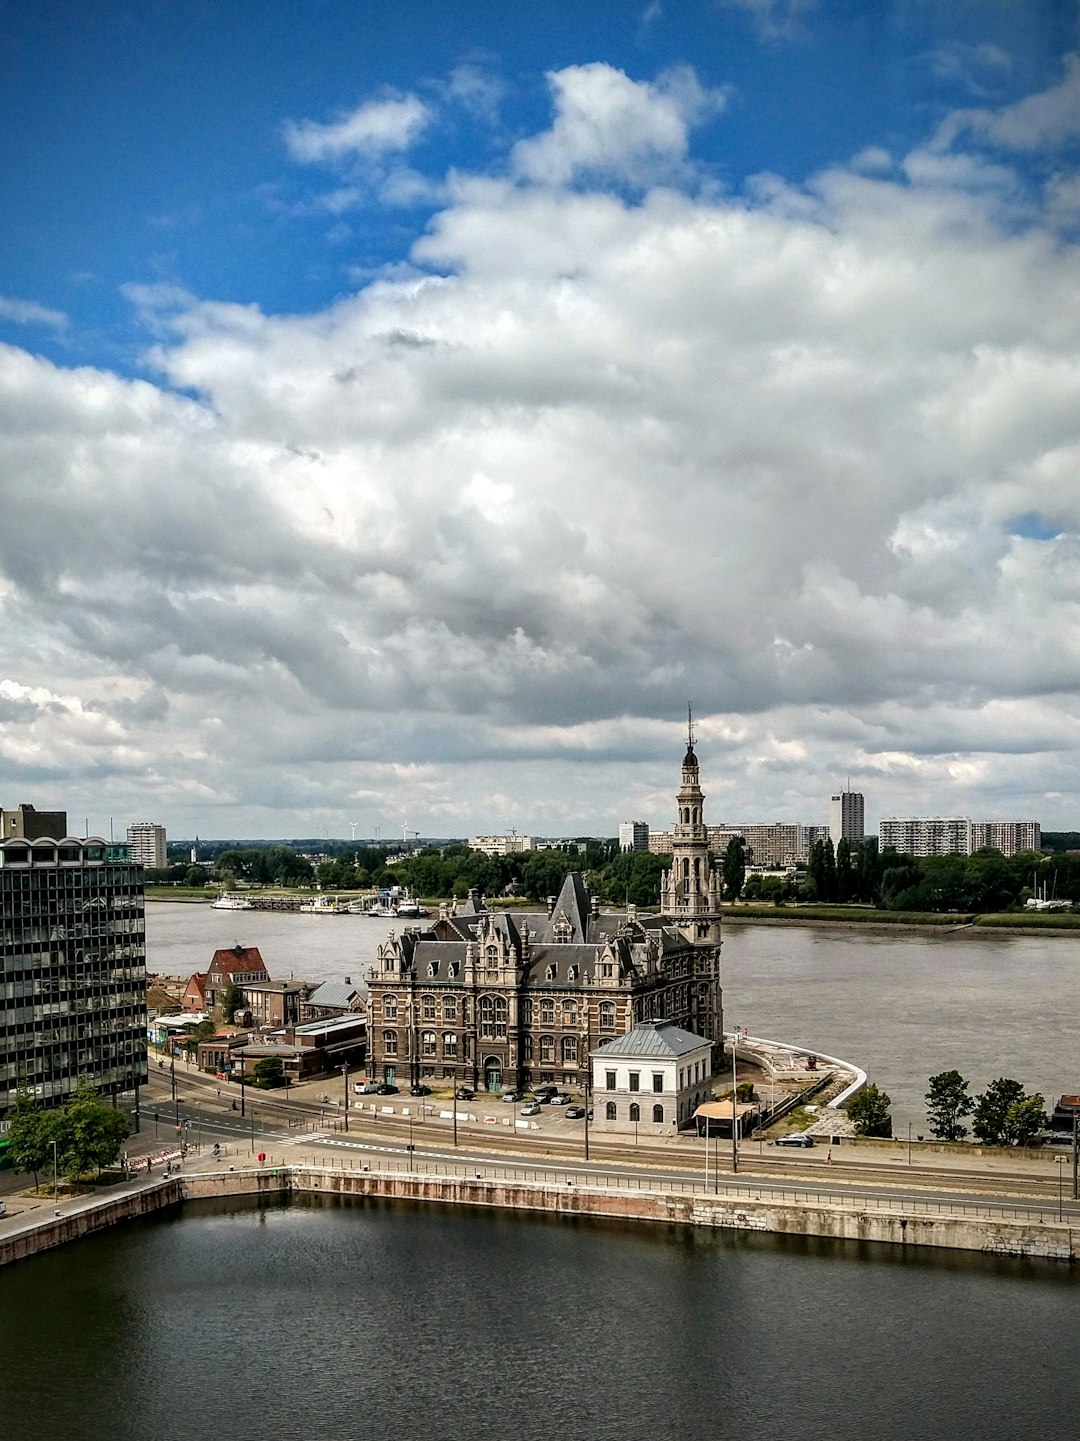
560,1099
545,1090
386,1089
366,1088
512,1096
419,1090
464,1094
794,1138
575,1113
532,1109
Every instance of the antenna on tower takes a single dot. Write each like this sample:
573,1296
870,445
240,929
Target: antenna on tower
690,724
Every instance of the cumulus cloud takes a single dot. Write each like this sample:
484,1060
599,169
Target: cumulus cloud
375,128
1051,117
458,547
607,125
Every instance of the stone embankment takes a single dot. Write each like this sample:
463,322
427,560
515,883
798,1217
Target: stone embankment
913,1221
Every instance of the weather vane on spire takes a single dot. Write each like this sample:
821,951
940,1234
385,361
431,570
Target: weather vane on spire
690,724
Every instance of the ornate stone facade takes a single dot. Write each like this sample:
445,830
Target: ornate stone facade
504,1000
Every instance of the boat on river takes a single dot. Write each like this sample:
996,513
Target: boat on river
227,902
325,906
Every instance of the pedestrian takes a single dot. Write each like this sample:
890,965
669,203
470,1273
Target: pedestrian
828,1157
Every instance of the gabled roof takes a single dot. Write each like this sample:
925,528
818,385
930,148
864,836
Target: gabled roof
239,960
573,903
659,1039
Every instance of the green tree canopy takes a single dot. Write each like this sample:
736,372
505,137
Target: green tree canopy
1024,1119
30,1133
734,868
990,1116
90,1133
270,1072
947,1103
869,1109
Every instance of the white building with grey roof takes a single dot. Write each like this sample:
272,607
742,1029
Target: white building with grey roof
650,1081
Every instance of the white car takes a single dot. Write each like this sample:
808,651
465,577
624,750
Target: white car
532,1109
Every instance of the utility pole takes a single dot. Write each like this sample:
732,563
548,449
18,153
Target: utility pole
345,1078
734,1115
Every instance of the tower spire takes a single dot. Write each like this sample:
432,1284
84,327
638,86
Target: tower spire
690,725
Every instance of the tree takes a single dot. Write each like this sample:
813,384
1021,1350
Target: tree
869,1109
90,1133
991,1111
194,876
270,1072
232,999
734,868
947,1103
30,1134
1024,1119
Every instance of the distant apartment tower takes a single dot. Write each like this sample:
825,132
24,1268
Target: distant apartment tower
1008,837
509,845
73,947
146,842
926,835
24,823
634,836
846,817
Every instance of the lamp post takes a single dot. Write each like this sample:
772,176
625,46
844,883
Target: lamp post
175,1095
252,1110
242,1088
410,1142
345,1079
1061,1172
909,1143
588,1086
54,1169
734,1115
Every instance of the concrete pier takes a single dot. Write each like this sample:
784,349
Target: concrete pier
965,1226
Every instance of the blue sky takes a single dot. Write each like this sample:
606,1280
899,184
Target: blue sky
455,390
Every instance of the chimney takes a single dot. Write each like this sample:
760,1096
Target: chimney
551,905
596,908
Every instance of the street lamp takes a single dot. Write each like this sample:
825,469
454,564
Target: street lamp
54,1169
1061,1172
242,1086
909,1143
734,1115
175,1095
345,1079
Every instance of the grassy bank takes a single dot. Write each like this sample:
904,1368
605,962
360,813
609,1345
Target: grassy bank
867,915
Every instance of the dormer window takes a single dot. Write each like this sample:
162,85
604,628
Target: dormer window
550,973
572,973
433,969
455,968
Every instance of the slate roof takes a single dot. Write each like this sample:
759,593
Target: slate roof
653,1038
335,994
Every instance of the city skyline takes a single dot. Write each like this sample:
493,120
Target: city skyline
402,415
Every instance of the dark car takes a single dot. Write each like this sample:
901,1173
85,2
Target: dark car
513,1096
794,1138
386,1089
464,1094
419,1090
574,1113
542,1092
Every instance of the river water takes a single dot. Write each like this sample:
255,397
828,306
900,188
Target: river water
369,1320
902,1005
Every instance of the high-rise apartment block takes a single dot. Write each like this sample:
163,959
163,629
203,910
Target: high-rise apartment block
634,836
72,968
1008,837
146,841
846,817
957,835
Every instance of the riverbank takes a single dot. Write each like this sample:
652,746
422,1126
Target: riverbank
744,1206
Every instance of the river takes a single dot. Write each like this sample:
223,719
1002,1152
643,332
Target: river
362,1321
903,1005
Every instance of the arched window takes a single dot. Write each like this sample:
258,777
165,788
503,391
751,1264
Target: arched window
607,1015
569,1050
389,1043
547,1050
449,1009
449,1045
658,1114
611,1110
427,1043
389,1008
635,1112
492,955
526,1049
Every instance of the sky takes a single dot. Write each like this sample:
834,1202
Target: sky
406,410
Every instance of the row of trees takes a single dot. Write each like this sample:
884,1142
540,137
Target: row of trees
985,881
1003,1115
87,1134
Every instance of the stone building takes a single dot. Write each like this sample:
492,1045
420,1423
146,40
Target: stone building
650,1081
504,1000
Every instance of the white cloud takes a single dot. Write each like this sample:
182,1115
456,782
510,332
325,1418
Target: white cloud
609,125
373,129
1048,118
29,312
776,19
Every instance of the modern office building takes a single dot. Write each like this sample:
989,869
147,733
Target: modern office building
146,841
634,836
846,817
72,968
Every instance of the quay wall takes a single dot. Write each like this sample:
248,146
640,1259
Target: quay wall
854,1220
